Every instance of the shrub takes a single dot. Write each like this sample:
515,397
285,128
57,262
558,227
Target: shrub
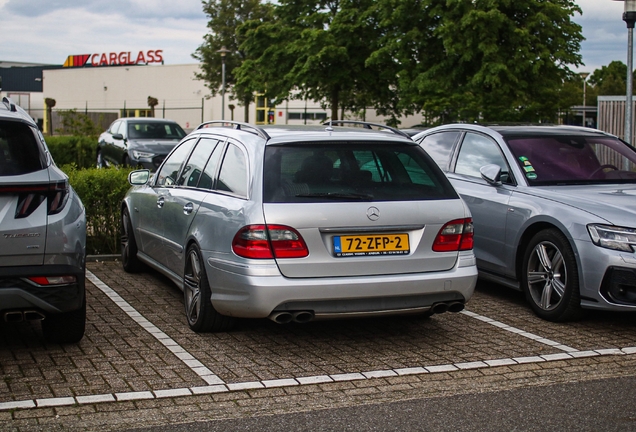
80,151
75,123
101,191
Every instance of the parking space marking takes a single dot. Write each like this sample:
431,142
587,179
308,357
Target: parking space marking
216,385
188,359
520,332
311,380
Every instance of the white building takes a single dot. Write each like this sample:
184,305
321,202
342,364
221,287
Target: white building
123,90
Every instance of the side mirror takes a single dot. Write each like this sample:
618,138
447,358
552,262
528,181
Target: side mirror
139,177
118,136
491,173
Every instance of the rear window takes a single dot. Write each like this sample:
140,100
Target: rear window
320,172
19,149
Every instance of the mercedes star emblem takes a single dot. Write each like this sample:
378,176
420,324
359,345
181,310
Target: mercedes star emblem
373,213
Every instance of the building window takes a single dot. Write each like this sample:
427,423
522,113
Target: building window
135,113
307,116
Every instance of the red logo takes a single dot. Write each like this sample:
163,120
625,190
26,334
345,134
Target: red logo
115,59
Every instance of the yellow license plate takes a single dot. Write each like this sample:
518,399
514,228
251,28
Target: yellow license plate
371,244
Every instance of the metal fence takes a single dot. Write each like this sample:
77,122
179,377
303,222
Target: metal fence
103,117
611,115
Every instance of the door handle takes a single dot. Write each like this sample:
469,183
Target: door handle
160,202
187,209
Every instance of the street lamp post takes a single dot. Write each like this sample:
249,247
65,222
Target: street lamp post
629,16
223,51
584,75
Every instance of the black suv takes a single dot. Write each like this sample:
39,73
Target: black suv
42,233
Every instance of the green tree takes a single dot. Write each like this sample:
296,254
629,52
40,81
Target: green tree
225,17
610,80
318,49
489,60
454,59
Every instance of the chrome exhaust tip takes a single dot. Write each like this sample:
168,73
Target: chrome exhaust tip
281,317
13,317
439,308
303,316
456,307
33,316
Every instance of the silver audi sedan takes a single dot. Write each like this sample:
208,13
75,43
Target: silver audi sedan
554,210
297,224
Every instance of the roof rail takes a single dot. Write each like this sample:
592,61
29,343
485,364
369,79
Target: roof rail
238,126
9,104
367,125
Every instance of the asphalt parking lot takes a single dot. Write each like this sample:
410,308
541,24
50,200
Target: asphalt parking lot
140,365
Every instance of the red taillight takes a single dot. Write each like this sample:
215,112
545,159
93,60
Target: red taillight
53,280
456,235
269,241
58,196
27,203
31,196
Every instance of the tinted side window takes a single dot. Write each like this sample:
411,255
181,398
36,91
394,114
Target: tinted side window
233,175
167,175
477,151
209,173
19,149
199,158
439,147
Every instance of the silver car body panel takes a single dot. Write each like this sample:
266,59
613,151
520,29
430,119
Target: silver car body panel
318,223
254,291
23,240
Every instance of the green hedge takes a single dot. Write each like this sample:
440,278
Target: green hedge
101,191
78,150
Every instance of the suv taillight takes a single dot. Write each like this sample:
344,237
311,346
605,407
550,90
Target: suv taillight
269,241
53,280
58,196
456,235
31,196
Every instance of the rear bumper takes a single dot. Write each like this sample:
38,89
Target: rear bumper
259,293
16,293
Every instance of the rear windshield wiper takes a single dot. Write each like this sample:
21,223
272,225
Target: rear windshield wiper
336,196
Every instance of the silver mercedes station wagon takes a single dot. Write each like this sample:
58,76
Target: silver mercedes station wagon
297,224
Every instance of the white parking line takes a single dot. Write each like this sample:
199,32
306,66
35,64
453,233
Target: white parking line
311,380
196,366
520,332
216,385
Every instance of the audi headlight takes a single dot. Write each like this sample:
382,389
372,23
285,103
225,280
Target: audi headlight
139,155
613,237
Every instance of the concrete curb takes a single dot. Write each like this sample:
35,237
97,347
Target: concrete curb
105,257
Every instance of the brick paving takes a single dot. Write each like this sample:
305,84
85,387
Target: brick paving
120,376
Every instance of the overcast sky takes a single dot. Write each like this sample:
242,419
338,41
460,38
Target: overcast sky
48,31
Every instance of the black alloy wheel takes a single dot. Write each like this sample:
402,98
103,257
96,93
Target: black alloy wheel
129,258
201,315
